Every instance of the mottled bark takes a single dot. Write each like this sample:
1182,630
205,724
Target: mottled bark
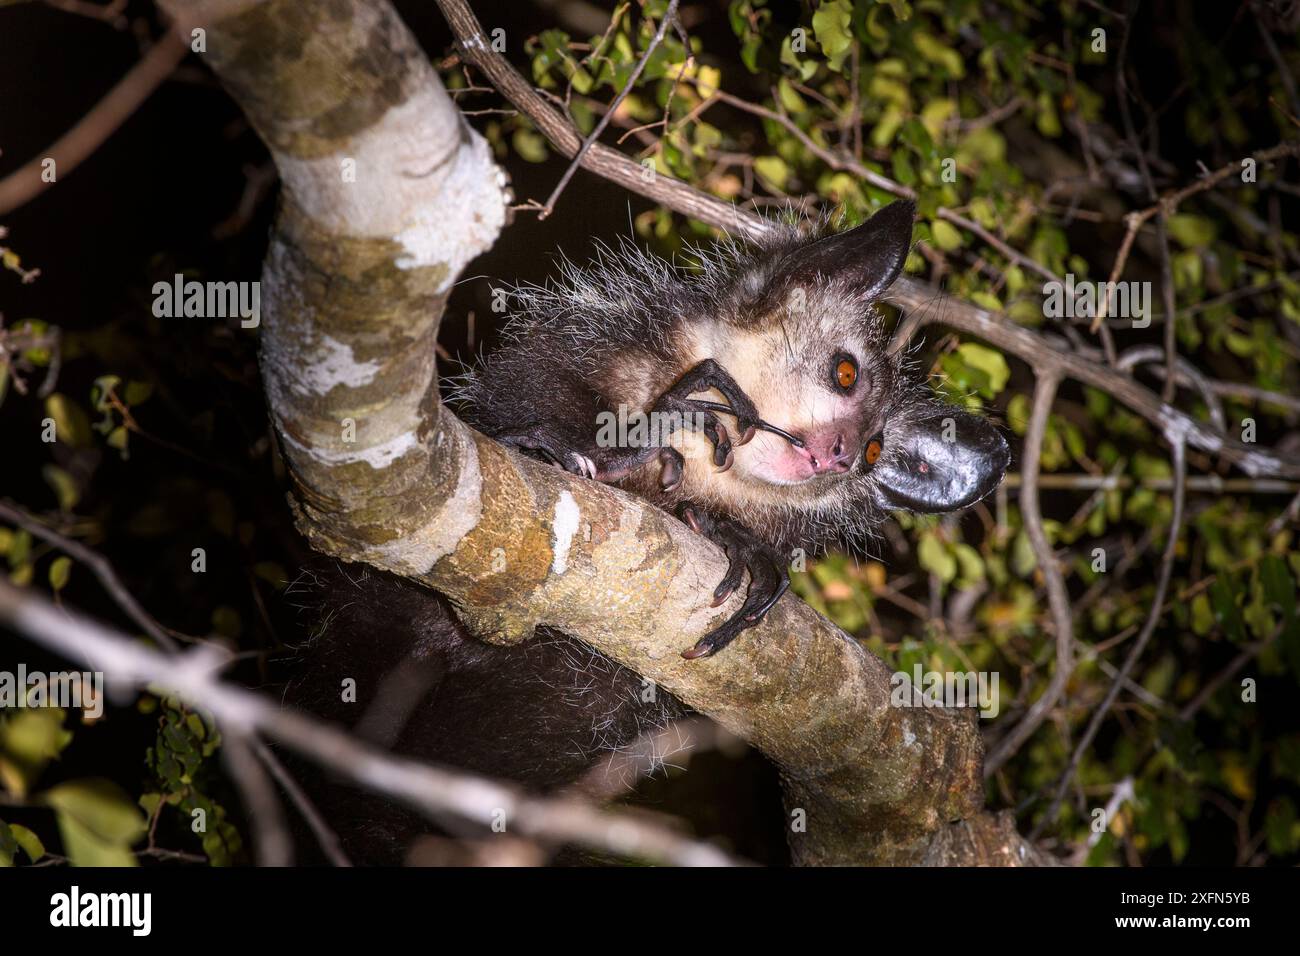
355,281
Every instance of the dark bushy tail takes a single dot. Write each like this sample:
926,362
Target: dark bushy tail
538,713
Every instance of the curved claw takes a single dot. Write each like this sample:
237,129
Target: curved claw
581,466
768,579
699,650
687,514
718,437
736,567
551,448
783,585
728,586
671,475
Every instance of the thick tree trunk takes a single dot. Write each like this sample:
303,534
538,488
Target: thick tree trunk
355,281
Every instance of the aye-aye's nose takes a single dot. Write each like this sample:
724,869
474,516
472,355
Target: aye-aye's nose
826,453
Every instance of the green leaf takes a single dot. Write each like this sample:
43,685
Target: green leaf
84,847
708,79
903,171
970,562
97,820
99,805
946,235
40,355
773,171
936,558
28,840
71,424
149,803
989,361
1223,598
1189,269
940,54
530,145
1282,827
1279,588
1048,123
103,387
64,486
272,573
1160,677
60,569
137,393
8,846
791,100
831,25
1018,414
883,133
582,82
227,621
1191,232
1202,615
1023,559
34,736
118,438
936,113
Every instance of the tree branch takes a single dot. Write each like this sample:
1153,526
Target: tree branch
924,304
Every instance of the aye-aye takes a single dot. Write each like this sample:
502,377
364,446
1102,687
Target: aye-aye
771,415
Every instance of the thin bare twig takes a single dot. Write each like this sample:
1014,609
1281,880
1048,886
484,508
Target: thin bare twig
668,16
271,839
103,570
1283,70
1168,203
1289,514
68,151
1150,353
1248,654
601,160
1179,451
1057,596
325,836
99,566
1204,484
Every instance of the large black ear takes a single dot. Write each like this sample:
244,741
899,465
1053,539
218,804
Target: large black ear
870,256
941,463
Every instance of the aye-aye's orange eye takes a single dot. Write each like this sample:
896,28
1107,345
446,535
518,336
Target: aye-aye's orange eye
872,454
846,373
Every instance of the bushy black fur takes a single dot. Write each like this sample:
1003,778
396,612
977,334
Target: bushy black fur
537,713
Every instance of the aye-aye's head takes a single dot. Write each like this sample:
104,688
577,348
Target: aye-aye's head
803,339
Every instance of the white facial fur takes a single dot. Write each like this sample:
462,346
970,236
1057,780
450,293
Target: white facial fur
786,369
